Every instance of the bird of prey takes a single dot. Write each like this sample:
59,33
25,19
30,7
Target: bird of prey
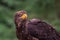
34,29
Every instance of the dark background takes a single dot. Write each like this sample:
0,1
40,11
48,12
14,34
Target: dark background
48,10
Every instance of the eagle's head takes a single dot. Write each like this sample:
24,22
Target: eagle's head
20,16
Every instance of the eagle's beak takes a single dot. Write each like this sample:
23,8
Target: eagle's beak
24,16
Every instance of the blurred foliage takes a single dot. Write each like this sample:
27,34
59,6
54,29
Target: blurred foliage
42,9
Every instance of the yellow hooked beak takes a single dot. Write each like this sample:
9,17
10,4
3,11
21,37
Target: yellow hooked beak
24,16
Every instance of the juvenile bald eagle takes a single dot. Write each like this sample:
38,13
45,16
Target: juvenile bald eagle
34,29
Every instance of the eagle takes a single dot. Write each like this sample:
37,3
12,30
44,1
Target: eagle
34,29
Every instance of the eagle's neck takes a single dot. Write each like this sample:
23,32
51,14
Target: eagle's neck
23,30
23,23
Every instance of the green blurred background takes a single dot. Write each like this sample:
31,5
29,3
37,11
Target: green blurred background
48,10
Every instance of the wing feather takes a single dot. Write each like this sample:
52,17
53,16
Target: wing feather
41,29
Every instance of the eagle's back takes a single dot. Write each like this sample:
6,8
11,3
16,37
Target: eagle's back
41,29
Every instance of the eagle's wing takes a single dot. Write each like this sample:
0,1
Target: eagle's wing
40,29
